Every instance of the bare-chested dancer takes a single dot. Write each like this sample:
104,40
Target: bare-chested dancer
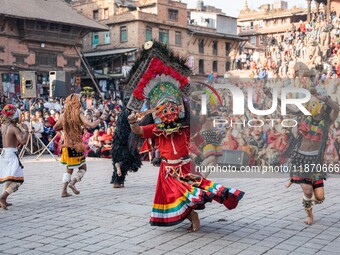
11,169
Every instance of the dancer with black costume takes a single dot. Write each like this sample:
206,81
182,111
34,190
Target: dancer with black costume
124,159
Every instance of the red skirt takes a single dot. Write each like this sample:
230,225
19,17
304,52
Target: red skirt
178,192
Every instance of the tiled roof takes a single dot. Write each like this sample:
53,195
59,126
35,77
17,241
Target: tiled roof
48,10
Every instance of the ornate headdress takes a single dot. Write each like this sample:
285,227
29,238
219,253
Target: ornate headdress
9,112
157,78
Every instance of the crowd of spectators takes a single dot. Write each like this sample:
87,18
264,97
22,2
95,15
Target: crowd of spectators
263,138
306,56
316,44
41,114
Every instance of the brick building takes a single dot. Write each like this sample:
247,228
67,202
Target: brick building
132,23
212,37
41,37
271,21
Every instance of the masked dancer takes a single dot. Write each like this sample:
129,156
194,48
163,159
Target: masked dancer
307,151
178,192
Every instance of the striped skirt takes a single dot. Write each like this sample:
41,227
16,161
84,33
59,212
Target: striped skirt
178,192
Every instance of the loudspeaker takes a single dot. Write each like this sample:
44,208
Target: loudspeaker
233,158
60,84
28,84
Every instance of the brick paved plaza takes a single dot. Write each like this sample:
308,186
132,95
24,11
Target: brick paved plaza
103,220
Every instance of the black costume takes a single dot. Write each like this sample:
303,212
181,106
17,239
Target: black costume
129,159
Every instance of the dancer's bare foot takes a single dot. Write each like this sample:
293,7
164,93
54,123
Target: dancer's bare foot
195,226
116,185
119,170
65,194
309,219
287,185
189,229
3,204
74,189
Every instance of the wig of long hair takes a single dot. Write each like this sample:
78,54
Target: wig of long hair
72,124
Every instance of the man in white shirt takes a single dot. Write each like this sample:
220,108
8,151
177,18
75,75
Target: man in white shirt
256,56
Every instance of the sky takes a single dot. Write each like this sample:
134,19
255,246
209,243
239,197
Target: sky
233,7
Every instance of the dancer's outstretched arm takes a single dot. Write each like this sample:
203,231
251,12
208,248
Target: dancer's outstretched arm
132,118
59,124
92,124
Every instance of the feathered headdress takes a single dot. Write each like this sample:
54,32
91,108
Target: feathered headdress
158,77
9,112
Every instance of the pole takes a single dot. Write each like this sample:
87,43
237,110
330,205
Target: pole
89,72
309,9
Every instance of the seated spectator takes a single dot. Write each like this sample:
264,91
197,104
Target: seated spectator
86,138
51,145
229,142
48,131
244,146
257,141
106,140
95,144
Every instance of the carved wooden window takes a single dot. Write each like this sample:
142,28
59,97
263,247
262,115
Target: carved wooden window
227,48
41,25
19,59
201,66
201,46
173,14
71,62
215,48
96,15
54,27
46,59
214,66
65,29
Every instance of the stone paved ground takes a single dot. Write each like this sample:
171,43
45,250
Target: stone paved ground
102,220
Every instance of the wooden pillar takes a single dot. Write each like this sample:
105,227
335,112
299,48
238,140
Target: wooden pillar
328,10
317,4
309,10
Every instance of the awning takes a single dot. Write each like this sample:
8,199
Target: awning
109,52
249,46
104,76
